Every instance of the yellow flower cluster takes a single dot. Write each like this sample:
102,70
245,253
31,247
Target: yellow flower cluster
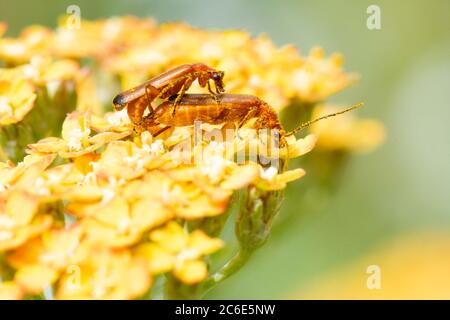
17,96
99,211
18,85
123,198
136,49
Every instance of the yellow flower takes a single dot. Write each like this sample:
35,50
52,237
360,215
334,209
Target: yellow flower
174,249
185,199
19,218
54,248
112,121
45,71
76,130
33,279
126,160
58,181
9,290
105,274
257,66
317,78
76,139
298,147
33,41
271,180
24,174
265,146
120,221
40,261
346,132
100,38
17,96
21,194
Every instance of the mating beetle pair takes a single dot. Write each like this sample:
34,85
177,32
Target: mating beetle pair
181,109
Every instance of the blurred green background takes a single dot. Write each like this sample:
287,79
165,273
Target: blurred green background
402,187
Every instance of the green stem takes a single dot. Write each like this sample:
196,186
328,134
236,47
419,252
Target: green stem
231,267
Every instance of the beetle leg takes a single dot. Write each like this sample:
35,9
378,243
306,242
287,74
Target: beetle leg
210,90
250,114
157,133
181,94
150,93
164,90
136,109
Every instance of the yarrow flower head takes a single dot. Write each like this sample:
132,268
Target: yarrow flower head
92,208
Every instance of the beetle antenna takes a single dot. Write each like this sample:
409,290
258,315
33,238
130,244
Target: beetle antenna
308,123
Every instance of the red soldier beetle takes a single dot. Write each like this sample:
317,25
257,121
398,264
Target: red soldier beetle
176,81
